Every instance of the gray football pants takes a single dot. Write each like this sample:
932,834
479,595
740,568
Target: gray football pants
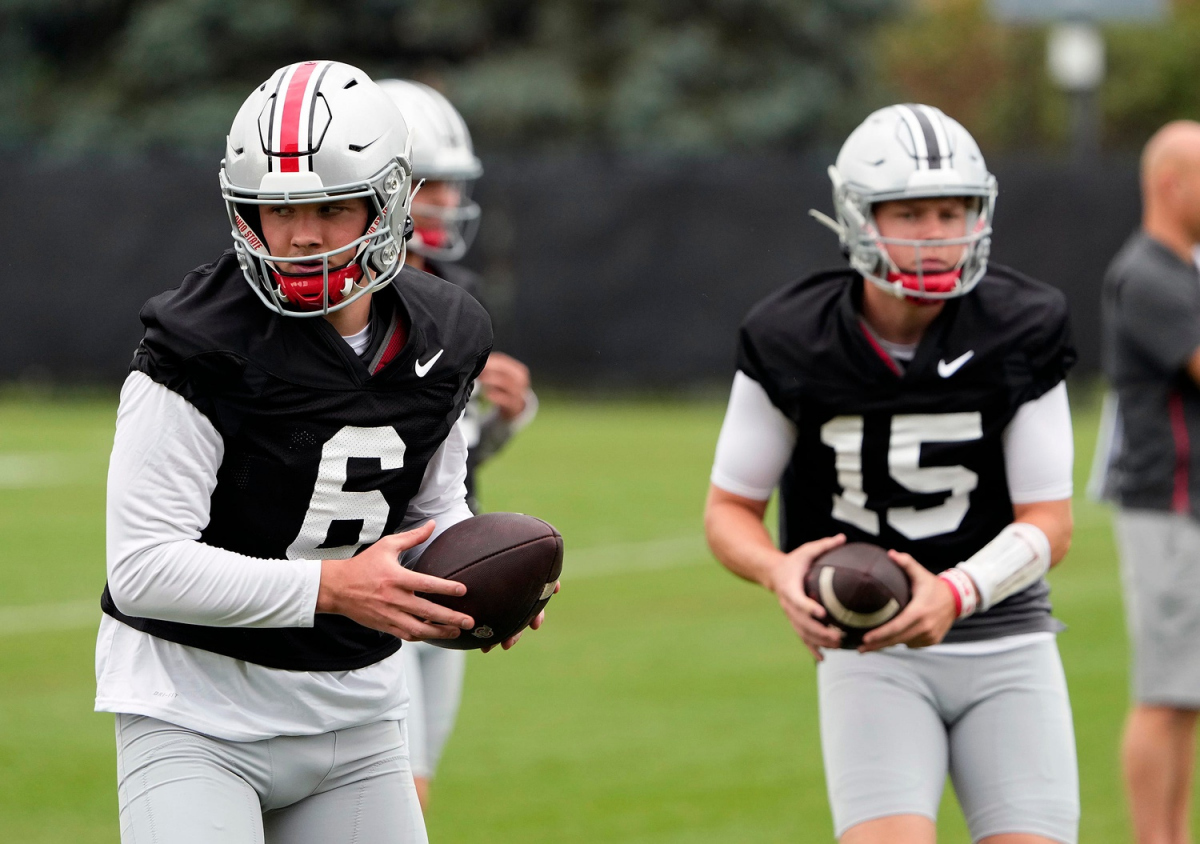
894,722
352,786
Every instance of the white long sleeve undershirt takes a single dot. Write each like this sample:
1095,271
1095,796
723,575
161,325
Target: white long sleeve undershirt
161,477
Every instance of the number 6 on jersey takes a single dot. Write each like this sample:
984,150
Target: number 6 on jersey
331,503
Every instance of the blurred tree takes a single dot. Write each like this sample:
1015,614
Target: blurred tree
1152,75
674,74
691,75
992,77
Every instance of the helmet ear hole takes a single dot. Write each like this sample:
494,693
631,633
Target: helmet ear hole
253,218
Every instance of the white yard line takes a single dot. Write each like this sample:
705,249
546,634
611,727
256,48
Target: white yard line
586,563
33,469
630,557
40,618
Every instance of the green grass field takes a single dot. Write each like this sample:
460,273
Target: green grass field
664,701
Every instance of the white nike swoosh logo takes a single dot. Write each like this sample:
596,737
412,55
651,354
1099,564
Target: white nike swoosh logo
947,369
423,368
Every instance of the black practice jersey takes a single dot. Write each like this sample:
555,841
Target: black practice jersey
321,453
457,274
909,459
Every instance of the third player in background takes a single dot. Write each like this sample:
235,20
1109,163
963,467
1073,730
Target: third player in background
445,220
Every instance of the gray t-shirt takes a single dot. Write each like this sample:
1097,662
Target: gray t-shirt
1151,313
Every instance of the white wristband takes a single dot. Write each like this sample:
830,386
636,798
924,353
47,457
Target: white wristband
1016,559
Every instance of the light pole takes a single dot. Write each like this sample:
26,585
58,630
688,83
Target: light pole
1075,62
1075,51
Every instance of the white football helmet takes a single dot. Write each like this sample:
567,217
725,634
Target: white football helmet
441,152
315,131
911,152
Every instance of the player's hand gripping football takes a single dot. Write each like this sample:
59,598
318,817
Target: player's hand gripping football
786,580
926,619
533,625
373,589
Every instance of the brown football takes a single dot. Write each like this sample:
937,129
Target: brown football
860,588
509,563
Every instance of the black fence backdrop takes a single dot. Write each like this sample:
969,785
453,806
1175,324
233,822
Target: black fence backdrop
602,272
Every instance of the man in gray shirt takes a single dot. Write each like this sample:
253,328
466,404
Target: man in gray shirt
1151,311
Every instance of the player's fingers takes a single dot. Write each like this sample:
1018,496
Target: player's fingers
502,364
409,538
503,395
509,380
414,581
812,607
415,629
415,605
820,640
896,631
911,567
824,635
504,391
814,549
893,633
798,600
538,620
813,631
490,378
819,637
508,404
512,640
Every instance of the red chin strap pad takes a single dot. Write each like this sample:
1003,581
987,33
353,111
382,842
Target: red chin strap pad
433,238
307,290
943,282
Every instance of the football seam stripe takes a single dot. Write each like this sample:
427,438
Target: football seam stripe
846,615
503,551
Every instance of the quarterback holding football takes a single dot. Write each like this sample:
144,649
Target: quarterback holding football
915,400
291,425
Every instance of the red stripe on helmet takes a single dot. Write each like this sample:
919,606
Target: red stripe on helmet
289,130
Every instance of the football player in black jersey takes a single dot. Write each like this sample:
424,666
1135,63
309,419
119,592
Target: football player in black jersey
445,219
916,400
290,427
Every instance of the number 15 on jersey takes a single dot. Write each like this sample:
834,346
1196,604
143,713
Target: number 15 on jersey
844,434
